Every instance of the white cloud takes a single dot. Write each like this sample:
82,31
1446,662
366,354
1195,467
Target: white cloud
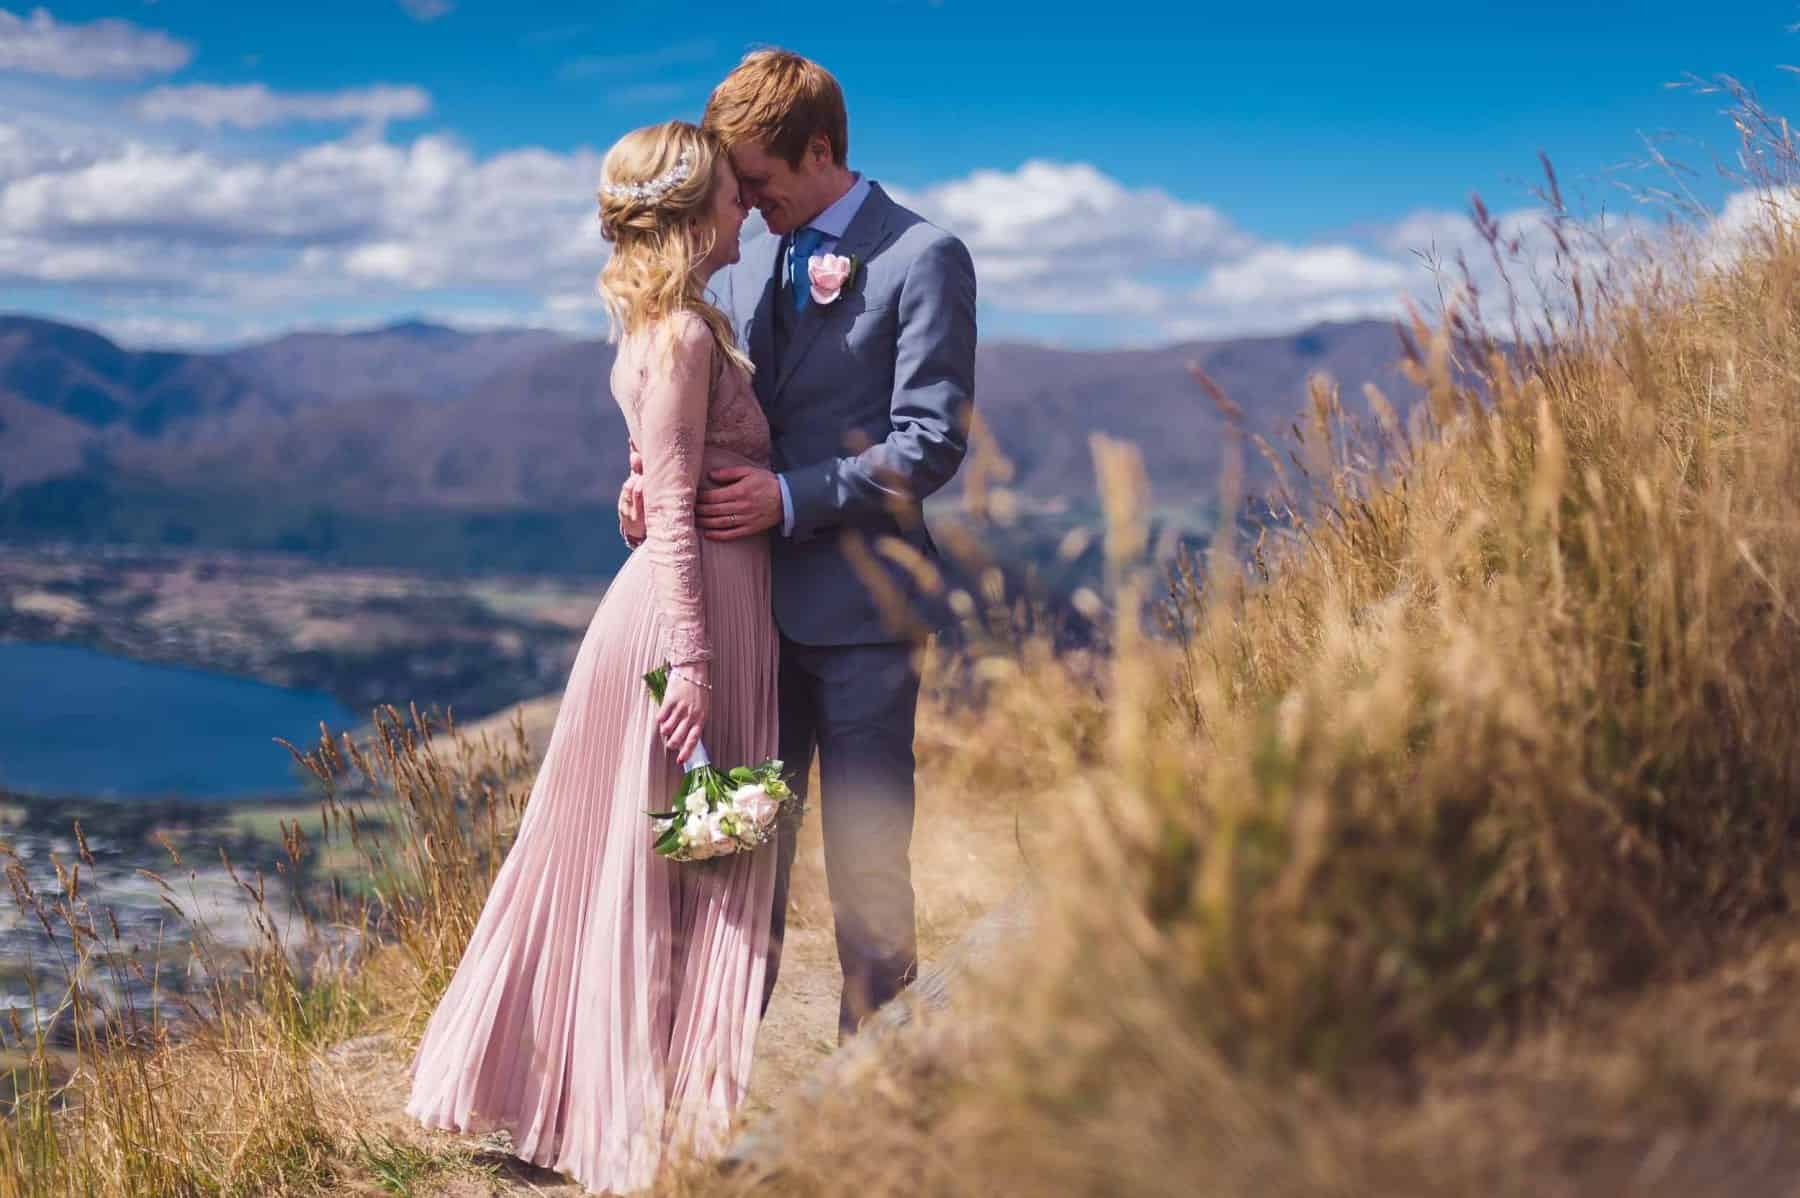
146,331
1046,221
1747,219
39,44
26,151
341,221
1757,208
370,225
1307,273
1049,296
324,193
1279,287
255,106
364,218
32,260
1066,240
1522,272
523,219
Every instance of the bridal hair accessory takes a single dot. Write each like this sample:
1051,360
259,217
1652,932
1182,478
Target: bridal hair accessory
655,189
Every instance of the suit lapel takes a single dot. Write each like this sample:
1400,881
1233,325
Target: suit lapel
759,333
863,237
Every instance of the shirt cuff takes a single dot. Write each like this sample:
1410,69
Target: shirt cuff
787,506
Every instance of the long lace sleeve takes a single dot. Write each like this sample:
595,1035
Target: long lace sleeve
672,435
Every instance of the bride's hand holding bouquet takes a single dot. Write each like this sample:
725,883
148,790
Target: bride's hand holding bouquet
716,811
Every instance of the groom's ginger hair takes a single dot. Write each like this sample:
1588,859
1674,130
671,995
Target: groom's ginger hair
779,100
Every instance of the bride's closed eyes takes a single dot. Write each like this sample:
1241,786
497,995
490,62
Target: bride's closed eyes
728,215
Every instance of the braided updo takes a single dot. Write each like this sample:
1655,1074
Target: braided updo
655,215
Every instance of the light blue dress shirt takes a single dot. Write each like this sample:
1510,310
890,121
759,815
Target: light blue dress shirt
832,222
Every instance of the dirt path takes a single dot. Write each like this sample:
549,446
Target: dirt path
964,861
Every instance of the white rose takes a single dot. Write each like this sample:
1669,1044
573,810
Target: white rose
756,804
718,829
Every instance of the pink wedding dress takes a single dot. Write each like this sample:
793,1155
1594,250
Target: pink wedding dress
606,1007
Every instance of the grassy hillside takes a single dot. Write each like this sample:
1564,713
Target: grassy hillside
1445,845
1493,743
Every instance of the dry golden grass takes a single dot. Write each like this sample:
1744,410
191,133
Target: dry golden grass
1490,740
446,807
219,1101
1442,843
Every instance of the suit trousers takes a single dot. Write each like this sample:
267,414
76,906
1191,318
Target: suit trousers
855,705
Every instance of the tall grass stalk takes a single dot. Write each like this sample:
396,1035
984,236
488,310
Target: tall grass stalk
1500,724
1495,726
231,1094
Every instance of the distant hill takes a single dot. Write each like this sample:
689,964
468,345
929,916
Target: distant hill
427,445
410,358
1043,404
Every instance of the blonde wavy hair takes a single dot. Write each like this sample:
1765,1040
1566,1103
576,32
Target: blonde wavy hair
660,238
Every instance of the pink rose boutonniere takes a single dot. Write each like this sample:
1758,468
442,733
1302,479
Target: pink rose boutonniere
829,273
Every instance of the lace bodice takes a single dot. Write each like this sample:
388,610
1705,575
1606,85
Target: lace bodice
735,423
683,400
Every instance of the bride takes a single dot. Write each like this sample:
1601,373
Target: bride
605,1010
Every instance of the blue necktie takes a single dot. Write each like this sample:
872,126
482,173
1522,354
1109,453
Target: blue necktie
806,244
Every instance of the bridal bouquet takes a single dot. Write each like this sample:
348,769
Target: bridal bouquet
716,811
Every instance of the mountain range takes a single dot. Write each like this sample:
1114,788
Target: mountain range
416,444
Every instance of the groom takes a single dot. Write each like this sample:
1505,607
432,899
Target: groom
868,383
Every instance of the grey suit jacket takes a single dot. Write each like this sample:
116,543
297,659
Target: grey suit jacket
869,408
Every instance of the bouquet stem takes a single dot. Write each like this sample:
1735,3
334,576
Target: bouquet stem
715,811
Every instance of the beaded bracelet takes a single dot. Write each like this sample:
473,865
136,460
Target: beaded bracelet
676,670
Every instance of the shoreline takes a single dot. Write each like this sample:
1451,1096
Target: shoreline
472,645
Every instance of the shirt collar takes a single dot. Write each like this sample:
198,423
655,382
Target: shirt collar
834,220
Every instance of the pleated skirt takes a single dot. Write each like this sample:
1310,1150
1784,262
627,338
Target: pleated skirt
605,1010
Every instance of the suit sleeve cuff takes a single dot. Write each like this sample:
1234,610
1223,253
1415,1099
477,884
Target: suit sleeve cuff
813,490
787,506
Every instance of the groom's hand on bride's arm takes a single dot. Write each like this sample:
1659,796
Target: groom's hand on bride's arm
740,501
631,503
631,511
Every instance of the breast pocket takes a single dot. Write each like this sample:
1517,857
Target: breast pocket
867,336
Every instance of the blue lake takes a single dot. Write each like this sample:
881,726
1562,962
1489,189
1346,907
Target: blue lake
79,721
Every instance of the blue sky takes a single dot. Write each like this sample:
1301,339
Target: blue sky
1131,174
